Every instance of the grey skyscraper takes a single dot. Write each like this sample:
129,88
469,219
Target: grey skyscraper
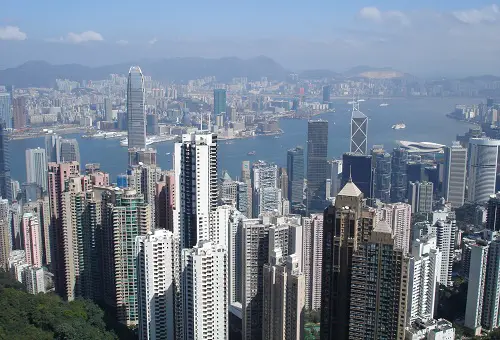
36,167
295,170
359,131
53,148
5,185
135,109
317,164
420,196
483,162
70,151
382,176
5,112
108,109
399,177
326,94
219,102
455,171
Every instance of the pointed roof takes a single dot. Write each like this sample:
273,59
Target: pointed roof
226,177
383,227
350,189
356,114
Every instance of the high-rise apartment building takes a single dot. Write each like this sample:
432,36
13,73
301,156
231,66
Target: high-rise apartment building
379,286
36,167
5,112
399,176
312,228
398,217
32,240
5,243
70,151
196,189
483,161
446,234
359,131
476,285
157,260
346,225
493,213
455,174
205,292
295,172
5,185
164,201
266,194
235,265
317,163
136,114
423,278
382,177
246,177
143,179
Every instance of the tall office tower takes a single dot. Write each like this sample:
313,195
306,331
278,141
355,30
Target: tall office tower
219,103
346,225
58,174
475,290
335,169
145,156
5,243
136,114
382,177
455,174
317,164
283,183
246,177
493,213
266,195
358,168
131,218
420,197
312,228
164,201
5,113
32,240
36,167
399,177
70,151
205,292
284,298
398,217
157,258
359,131
53,148
295,170
446,234
5,185
415,171
327,89
108,109
483,161
196,190
378,288
19,112
423,278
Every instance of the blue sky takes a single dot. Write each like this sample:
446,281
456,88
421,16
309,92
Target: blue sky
411,35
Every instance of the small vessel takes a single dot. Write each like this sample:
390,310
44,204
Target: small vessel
168,153
276,137
384,104
351,102
229,142
361,100
251,153
399,126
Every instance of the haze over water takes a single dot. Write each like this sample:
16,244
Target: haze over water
425,120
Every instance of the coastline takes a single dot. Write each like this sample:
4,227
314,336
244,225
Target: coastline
462,120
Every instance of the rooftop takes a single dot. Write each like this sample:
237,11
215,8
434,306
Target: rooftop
350,189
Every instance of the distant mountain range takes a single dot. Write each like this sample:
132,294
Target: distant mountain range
43,74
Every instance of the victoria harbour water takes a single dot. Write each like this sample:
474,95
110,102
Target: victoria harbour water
425,120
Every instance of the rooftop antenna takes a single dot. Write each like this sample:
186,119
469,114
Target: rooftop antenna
350,173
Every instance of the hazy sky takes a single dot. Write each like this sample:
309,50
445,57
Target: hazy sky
425,36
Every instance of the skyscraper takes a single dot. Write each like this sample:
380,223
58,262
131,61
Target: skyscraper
335,169
476,285
359,131
455,173
420,196
196,189
5,185
398,217
493,213
5,112
136,114
32,240
283,183
219,103
19,112
108,109
326,93
317,164
157,260
346,225
246,177
205,292
36,167
446,234
70,151
53,148
399,177
378,288
358,168
382,177
295,171
483,162
266,195
313,259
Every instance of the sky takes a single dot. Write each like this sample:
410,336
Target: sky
445,37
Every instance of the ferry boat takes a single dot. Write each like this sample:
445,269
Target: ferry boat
384,104
251,153
399,126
